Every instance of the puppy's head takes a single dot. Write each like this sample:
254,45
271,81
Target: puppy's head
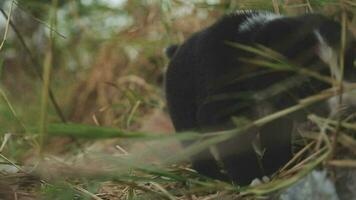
315,42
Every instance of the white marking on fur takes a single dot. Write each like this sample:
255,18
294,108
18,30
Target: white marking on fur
257,18
239,12
328,55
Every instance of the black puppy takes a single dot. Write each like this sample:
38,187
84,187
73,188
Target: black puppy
208,83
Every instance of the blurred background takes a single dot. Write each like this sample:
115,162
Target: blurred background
106,61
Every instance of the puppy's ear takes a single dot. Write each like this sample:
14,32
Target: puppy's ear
171,50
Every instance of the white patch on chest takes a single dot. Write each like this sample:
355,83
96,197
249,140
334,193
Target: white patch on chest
257,18
328,55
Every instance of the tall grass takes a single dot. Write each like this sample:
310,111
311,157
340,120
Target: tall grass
81,172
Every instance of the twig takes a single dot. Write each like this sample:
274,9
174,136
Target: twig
47,67
132,113
164,191
12,163
276,6
343,163
298,155
341,88
315,155
309,6
6,138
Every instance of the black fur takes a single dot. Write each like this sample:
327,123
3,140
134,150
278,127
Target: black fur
205,67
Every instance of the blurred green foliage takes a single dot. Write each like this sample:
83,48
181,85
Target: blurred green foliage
108,62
